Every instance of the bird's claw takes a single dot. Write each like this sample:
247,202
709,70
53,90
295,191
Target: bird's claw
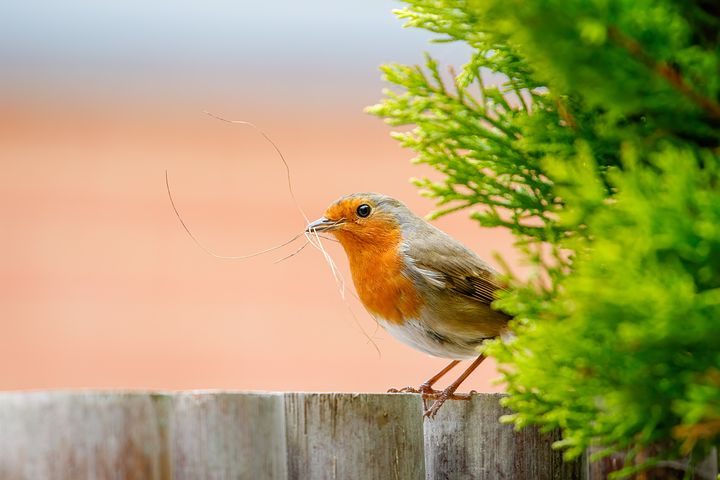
451,396
439,397
439,401
442,397
403,390
425,390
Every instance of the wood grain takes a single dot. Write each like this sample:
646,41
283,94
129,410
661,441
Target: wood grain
349,436
227,435
222,435
72,436
467,441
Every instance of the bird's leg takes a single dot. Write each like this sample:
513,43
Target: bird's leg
449,392
426,388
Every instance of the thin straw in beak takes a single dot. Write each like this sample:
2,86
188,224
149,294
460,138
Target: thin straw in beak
323,224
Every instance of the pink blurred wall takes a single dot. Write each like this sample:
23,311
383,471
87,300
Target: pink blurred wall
99,285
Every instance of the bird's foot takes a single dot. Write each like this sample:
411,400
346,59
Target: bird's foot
425,390
445,395
442,397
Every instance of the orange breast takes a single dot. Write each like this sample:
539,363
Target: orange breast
377,274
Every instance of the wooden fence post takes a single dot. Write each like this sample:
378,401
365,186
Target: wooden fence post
65,435
467,441
226,435
348,436
217,436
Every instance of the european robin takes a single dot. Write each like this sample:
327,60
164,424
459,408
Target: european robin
421,285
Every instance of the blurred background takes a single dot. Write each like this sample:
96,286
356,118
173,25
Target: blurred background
99,285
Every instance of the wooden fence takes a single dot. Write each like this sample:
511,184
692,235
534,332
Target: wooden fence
215,435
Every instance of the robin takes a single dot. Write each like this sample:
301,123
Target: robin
424,287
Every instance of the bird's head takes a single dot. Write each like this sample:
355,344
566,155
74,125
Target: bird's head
364,220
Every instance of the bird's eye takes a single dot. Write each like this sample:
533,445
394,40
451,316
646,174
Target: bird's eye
363,210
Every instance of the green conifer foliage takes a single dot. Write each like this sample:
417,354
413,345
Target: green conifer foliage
600,151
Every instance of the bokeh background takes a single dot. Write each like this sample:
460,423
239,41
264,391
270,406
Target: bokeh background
99,285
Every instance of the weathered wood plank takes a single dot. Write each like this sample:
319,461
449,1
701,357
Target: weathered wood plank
227,436
70,436
214,435
467,441
347,436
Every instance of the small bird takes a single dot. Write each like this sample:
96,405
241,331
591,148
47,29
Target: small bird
424,287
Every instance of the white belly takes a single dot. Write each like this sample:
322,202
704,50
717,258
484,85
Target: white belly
414,334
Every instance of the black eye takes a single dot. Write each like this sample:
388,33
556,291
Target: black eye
363,210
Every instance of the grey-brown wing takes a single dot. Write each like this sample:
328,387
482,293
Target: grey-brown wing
480,285
477,283
447,264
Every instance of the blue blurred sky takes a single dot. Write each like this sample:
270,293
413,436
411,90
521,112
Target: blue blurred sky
220,46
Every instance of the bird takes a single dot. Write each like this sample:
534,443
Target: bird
425,288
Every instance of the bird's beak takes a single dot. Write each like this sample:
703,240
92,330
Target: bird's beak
323,224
